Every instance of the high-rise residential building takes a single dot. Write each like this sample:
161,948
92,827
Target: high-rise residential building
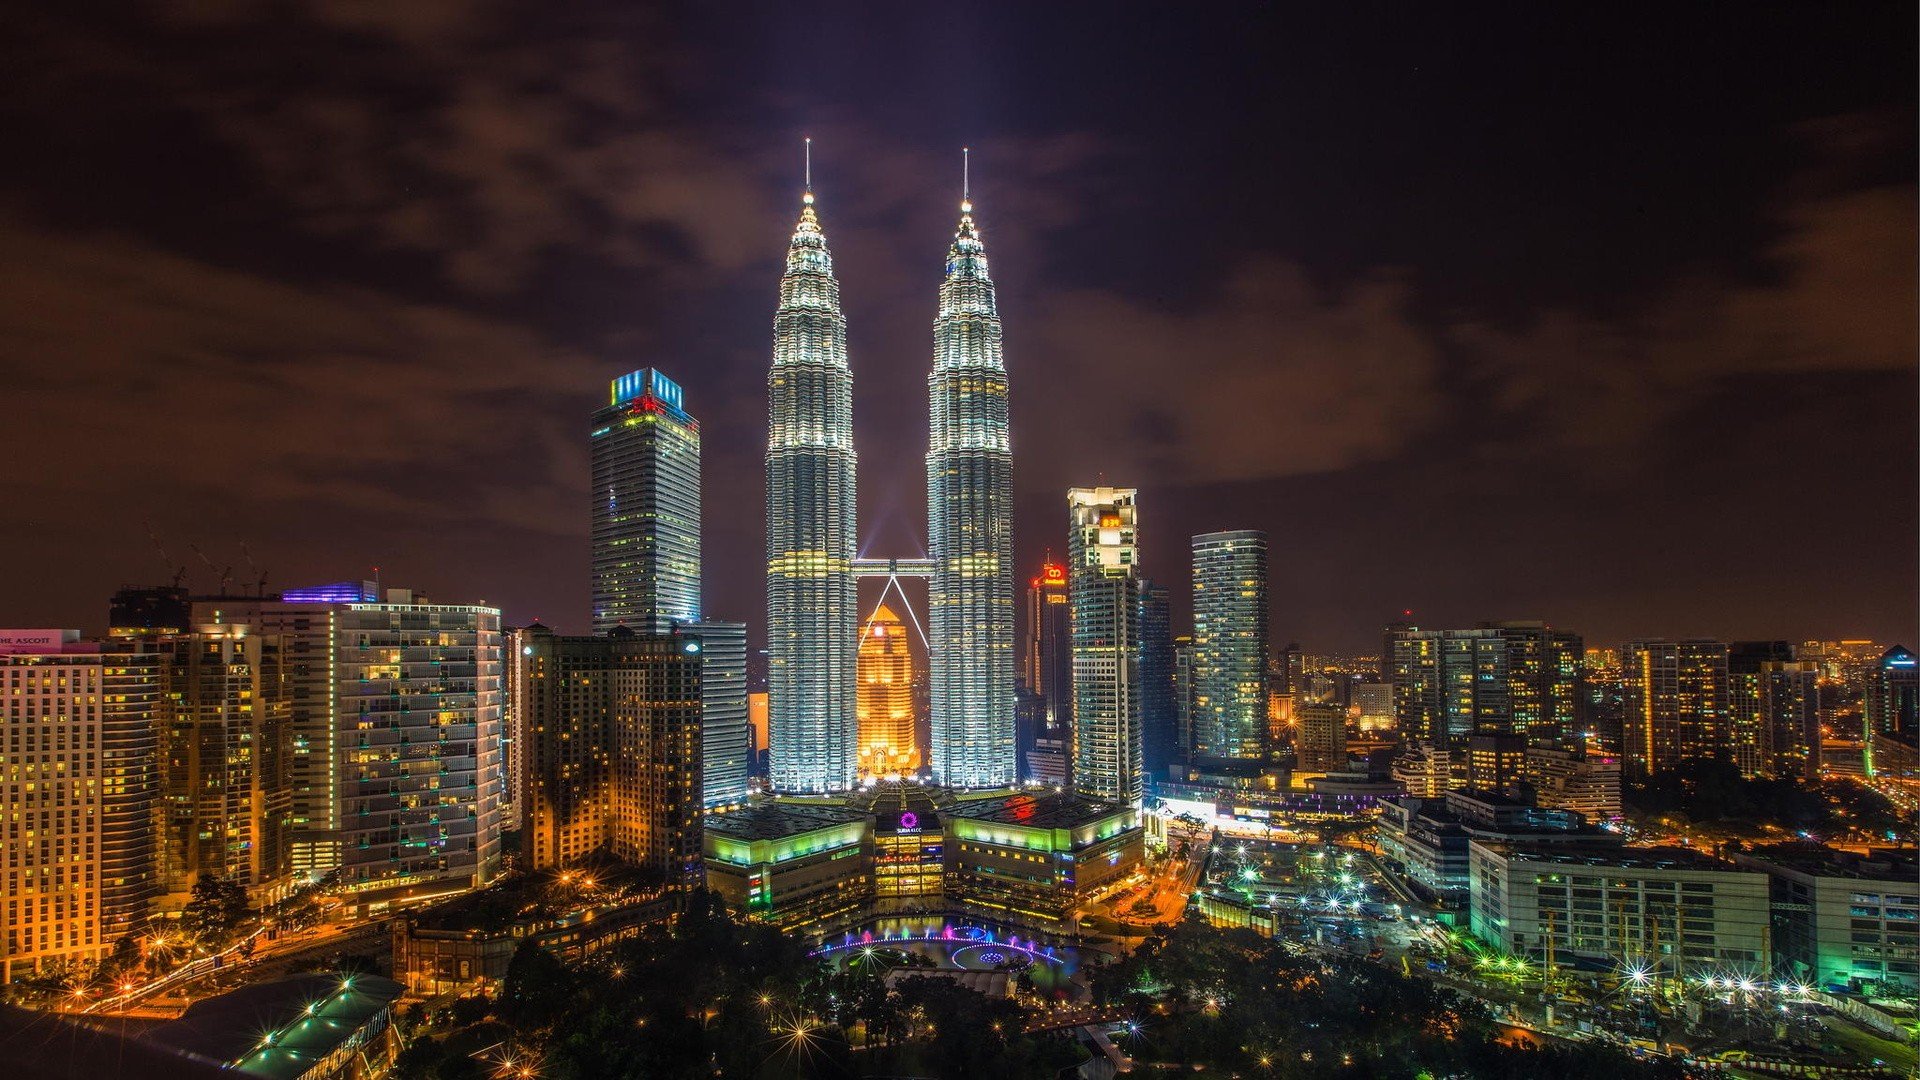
1773,710
1102,567
1230,643
1520,678
79,792
1046,654
612,749
812,604
1320,745
225,739
1892,714
970,528
1159,715
1675,700
886,697
646,507
397,765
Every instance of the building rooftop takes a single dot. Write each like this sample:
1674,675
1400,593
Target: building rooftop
277,1029
773,820
1881,864
1036,810
1603,856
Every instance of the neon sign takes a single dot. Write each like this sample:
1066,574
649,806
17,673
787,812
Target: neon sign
909,821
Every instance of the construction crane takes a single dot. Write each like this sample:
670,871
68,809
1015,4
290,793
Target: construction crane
179,572
259,585
225,575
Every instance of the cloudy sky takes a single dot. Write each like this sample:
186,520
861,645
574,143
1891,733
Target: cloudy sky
1604,317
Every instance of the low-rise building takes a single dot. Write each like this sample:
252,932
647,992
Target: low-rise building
1587,783
304,1027
1035,857
1425,840
1661,912
1842,920
791,863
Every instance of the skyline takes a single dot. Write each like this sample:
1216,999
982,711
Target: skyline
1441,374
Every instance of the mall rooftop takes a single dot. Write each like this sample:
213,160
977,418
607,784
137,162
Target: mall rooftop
774,820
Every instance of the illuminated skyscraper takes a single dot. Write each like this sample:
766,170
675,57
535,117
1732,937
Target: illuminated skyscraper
646,507
812,607
1102,569
1519,678
1676,703
1893,715
970,528
1159,716
886,697
79,792
226,733
612,749
1230,643
1047,653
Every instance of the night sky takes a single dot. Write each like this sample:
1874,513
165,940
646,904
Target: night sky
1603,315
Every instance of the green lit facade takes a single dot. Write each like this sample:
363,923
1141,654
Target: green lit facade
1023,857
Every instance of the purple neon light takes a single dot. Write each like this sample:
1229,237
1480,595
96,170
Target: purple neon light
338,592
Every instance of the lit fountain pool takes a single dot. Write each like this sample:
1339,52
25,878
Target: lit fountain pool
961,945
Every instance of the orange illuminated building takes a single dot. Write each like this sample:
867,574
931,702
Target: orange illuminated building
885,701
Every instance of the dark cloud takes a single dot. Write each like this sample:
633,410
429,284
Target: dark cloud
347,277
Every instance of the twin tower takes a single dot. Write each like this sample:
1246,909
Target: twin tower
812,568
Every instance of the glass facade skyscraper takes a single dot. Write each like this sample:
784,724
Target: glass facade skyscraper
970,528
1159,720
1102,571
646,507
812,606
1230,644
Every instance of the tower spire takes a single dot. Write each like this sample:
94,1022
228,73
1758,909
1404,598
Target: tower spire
966,180
808,196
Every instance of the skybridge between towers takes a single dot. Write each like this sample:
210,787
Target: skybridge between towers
883,568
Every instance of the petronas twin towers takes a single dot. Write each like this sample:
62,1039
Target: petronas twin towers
812,602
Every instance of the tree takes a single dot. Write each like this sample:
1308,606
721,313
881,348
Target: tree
217,906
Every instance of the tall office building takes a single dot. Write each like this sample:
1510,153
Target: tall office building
1675,697
812,606
726,751
646,507
397,753
1517,678
970,528
1892,714
1230,644
886,697
612,749
1046,656
1159,715
78,796
646,559
225,739
1102,567
1183,695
